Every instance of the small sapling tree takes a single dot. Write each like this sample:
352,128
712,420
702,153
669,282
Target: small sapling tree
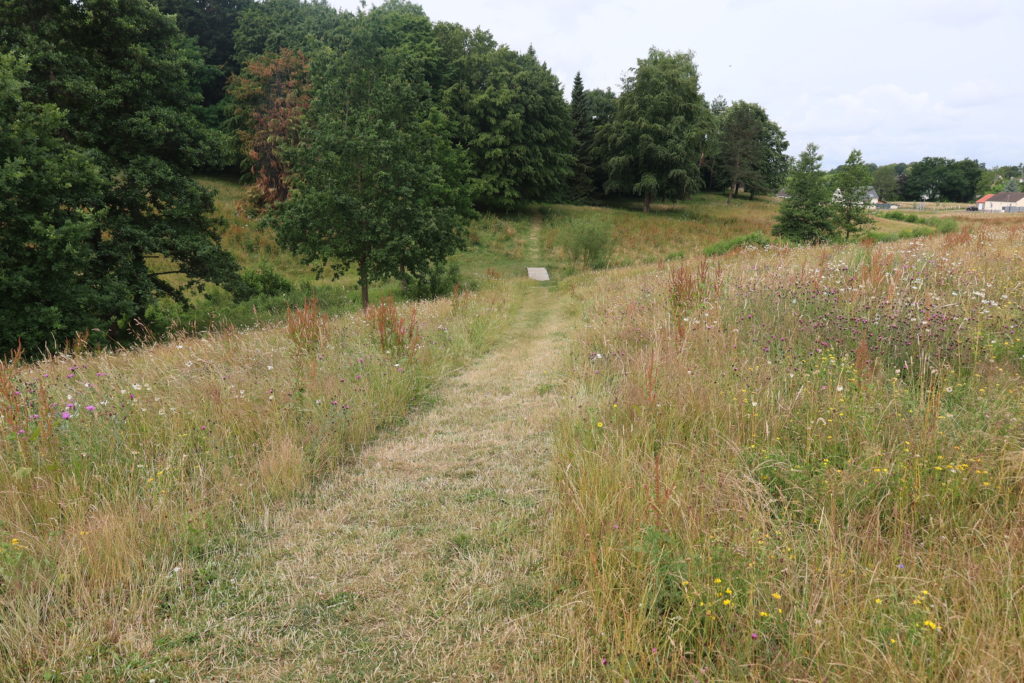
807,214
852,181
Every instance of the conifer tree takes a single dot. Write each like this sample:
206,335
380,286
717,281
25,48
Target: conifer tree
583,136
806,215
129,99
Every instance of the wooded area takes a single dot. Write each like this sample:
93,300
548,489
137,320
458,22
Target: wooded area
368,139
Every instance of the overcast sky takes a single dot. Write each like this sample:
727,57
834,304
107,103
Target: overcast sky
897,79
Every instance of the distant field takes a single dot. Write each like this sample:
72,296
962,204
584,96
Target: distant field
507,244
933,206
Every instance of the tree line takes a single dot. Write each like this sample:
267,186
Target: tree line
942,179
369,140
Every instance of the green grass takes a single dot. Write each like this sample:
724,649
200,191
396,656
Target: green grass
751,486
754,239
117,469
793,463
499,246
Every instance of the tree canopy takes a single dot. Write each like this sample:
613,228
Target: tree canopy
656,140
750,150
212,24
941,179
117,82
377,183
852,181
270,25
509,114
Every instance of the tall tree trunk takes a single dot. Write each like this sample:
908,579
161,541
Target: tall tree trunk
734,186
364,284
647,202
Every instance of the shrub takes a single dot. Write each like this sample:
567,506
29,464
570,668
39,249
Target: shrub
263,281
307,326
588,241
394,333
440,279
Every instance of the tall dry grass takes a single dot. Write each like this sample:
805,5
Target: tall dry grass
117,469
797,463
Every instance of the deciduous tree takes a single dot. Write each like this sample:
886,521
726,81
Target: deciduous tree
886,181
656,141
941,179
852,181
509,115
377,183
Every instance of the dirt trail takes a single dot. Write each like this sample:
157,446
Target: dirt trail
422,562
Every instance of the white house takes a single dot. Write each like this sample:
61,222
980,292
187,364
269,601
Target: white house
1002,201
870,197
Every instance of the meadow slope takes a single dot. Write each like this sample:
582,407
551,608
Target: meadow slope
778,463
798,463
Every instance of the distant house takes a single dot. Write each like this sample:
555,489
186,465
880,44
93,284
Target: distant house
1002,201
870,197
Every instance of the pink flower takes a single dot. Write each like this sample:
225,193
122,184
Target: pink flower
90,408
65,415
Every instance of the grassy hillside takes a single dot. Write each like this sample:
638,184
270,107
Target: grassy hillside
498,247
797,464
117,469
780,462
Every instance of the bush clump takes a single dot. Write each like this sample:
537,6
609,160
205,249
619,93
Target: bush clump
439,279
263,281
588,241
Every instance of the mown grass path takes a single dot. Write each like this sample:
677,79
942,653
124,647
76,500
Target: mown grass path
423,562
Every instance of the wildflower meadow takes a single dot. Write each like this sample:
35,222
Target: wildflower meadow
798,463
118,469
